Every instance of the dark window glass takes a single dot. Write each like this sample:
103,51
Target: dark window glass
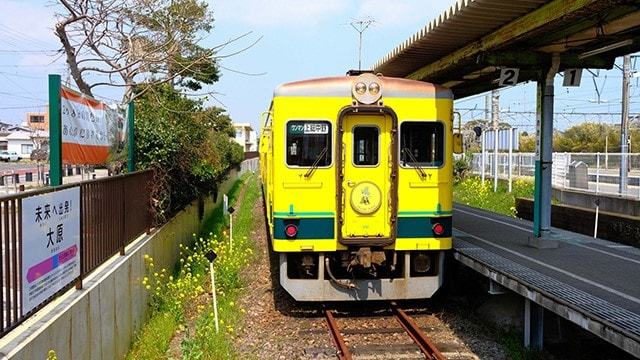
365,145
421,144
308,142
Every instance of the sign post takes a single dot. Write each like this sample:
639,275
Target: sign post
131,161
55,131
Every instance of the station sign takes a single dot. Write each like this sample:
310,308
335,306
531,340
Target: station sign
503,139
572,77
509,76
50,244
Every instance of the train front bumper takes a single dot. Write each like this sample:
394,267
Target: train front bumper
321,289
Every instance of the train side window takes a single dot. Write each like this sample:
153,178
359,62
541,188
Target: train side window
365,145
308,143
421,143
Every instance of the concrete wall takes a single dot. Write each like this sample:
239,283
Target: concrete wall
101,320
587,200
614,227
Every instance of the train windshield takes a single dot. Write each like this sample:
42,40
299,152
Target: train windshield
421,143
365,145
309,143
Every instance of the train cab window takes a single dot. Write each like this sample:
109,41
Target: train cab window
365,146
308,143
421,143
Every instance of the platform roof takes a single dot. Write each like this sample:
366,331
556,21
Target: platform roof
465,47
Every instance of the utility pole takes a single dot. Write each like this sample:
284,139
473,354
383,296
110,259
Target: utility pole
624,125
360,26
495,118
487,106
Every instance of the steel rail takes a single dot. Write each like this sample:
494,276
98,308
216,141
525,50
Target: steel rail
426,346
342,349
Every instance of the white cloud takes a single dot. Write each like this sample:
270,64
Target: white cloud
401,12
276,13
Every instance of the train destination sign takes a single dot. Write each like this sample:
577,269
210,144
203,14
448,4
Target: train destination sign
50,244
308,128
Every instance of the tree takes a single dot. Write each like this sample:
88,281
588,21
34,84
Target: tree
188,144
588,137
132,42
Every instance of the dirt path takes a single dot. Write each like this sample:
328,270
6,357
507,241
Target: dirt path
275,327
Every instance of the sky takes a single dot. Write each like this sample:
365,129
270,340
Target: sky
294,40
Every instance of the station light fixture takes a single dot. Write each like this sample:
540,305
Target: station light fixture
604,49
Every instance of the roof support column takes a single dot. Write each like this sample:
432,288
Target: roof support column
544,155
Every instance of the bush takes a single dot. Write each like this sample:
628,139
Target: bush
461,168
188,144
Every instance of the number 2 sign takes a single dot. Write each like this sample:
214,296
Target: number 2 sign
509,76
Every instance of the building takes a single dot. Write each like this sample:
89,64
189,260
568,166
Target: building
17,139
246,137
37,121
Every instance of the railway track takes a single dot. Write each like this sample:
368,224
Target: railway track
393,335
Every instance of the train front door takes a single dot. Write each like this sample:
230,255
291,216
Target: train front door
366,184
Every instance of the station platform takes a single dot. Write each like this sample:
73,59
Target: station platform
591,282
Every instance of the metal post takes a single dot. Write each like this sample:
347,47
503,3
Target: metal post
544,154
482,158
495,109
55,131
214,300
624,126
597,172
533,325
510,155
131,162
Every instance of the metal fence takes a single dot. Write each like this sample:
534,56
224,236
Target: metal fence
601,170
113,212
252,165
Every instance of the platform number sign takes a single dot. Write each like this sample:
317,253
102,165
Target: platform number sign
572,77
509,76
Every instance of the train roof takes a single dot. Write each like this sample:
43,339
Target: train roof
340,86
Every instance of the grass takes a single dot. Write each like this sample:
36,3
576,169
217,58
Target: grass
470,191
511,342
181,302
205,343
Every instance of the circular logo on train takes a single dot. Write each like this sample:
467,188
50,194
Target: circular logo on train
366,198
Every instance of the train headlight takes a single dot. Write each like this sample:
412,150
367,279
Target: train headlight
374,88
367,89
291,231
438,229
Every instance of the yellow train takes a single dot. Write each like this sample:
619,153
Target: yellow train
357,177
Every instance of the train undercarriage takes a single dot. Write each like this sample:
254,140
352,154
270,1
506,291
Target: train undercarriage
362,273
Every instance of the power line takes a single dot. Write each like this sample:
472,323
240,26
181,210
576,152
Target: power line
23,107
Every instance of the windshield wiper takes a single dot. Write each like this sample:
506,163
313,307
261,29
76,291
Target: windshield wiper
316,162
413,159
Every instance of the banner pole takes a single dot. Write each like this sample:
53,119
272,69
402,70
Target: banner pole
131,162
55,131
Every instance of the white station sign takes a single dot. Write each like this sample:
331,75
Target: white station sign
50,244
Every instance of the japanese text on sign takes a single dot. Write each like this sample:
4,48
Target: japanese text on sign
51,232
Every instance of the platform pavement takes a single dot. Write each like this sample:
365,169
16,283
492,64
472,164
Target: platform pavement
591,282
